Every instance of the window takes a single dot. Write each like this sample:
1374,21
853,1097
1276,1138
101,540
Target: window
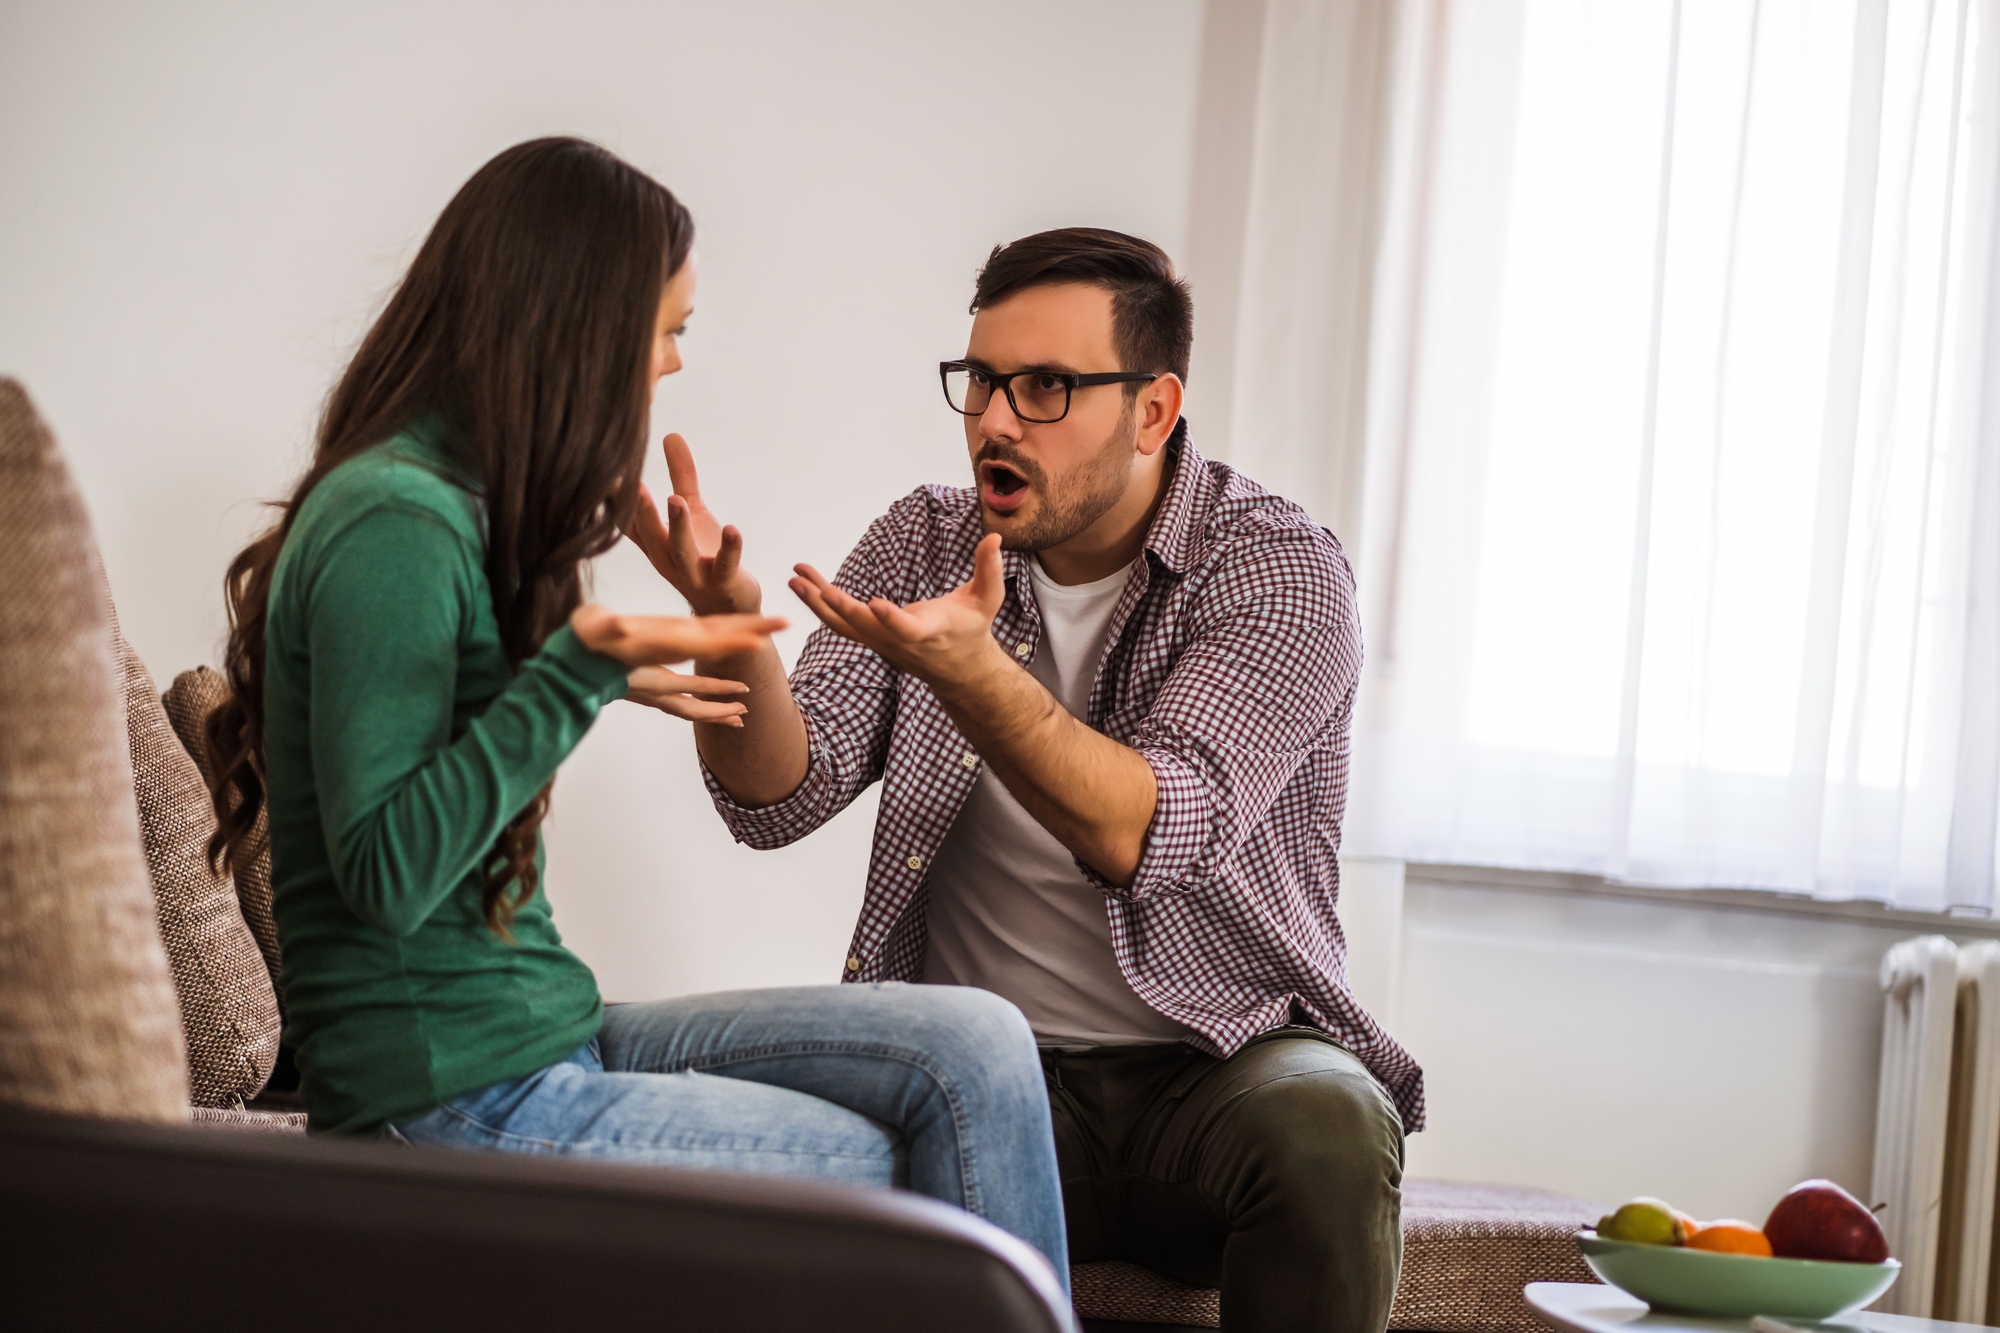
1692,515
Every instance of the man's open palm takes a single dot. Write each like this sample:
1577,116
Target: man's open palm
941,639
690,549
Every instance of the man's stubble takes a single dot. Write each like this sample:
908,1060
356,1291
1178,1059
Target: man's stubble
1085,495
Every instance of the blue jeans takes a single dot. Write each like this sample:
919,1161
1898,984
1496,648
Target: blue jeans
934,1088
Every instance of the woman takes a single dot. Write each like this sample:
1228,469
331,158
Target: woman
411,661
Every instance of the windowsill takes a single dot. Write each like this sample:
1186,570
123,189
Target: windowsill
1734,900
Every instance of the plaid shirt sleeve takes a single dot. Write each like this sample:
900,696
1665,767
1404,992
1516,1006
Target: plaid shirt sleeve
1275,653
846,695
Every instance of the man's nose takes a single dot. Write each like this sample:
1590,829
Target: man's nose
998,421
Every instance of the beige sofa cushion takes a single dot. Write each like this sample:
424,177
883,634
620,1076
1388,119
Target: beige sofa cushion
88,1021
1468,1250
188,701
228,1009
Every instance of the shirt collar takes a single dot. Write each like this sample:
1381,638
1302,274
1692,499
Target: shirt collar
1175,536
430,441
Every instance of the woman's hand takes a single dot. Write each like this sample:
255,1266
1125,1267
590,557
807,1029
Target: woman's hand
648,641
700,557
681,696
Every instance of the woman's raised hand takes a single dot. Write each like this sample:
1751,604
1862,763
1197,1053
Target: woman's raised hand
700,557
646,641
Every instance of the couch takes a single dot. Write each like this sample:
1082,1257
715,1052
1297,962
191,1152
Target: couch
142,1137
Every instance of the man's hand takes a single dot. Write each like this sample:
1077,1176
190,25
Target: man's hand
1095,795
700,557
944,642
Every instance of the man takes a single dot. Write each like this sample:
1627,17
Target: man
1108,692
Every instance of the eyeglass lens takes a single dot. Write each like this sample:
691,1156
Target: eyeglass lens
1038,398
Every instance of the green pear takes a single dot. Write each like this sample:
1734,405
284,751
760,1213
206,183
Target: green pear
1644,1221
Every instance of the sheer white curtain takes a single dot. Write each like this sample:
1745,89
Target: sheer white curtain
1679,486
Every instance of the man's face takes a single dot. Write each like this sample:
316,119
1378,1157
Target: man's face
1040,485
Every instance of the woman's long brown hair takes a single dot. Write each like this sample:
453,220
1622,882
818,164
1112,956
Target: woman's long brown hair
526,322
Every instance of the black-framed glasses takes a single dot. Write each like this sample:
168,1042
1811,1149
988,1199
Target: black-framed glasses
1043,397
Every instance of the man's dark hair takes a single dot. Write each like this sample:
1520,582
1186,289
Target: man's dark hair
1152,315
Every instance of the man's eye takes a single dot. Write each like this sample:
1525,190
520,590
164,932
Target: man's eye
1047,383
981,378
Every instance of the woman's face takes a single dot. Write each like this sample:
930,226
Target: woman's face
676,304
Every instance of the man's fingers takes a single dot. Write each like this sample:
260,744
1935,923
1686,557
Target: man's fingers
896,620
989,575
808,592
834,596
680,466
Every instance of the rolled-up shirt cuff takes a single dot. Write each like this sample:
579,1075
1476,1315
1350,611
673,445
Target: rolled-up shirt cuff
769,826
1176,837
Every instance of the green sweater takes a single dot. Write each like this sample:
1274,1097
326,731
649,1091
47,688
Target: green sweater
397,745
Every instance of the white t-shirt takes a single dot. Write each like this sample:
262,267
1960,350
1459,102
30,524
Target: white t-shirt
1009,910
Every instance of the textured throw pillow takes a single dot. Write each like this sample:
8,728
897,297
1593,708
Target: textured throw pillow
88,1023
193,696
228,1009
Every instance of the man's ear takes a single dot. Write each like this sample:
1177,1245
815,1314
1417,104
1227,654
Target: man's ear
1159,407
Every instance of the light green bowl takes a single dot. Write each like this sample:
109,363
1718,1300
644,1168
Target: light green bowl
1734,1286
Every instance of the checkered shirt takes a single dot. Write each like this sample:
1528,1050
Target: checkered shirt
1230,666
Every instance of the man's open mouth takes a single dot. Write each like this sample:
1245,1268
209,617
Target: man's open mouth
1003,488
1004,480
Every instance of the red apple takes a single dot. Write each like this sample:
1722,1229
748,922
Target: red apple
1820,1220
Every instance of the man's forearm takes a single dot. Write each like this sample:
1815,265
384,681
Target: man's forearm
1095,796
763,761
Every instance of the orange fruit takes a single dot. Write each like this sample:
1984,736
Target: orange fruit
1684,1226
1730,1236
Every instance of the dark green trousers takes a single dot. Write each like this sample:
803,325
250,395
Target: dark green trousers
1275,1175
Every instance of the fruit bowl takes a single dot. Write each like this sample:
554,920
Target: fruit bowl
1734,1286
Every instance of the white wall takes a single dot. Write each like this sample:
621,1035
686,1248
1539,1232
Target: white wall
1611,1046
202,204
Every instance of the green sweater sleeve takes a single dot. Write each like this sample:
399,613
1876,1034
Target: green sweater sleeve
408,810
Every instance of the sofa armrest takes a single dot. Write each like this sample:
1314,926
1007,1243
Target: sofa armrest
106,1225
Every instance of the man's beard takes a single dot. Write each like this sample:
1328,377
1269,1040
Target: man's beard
1086,495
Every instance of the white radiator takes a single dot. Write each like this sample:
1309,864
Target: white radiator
1937,1126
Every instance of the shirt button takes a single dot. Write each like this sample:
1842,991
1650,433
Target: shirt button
969,759
854,964
1023,649
915,863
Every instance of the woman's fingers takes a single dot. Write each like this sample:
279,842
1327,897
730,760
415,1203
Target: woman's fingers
656,640
692,710
680,466
682,548
648,531
727,556
658,680
678,638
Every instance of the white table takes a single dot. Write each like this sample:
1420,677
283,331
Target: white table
1588,1307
